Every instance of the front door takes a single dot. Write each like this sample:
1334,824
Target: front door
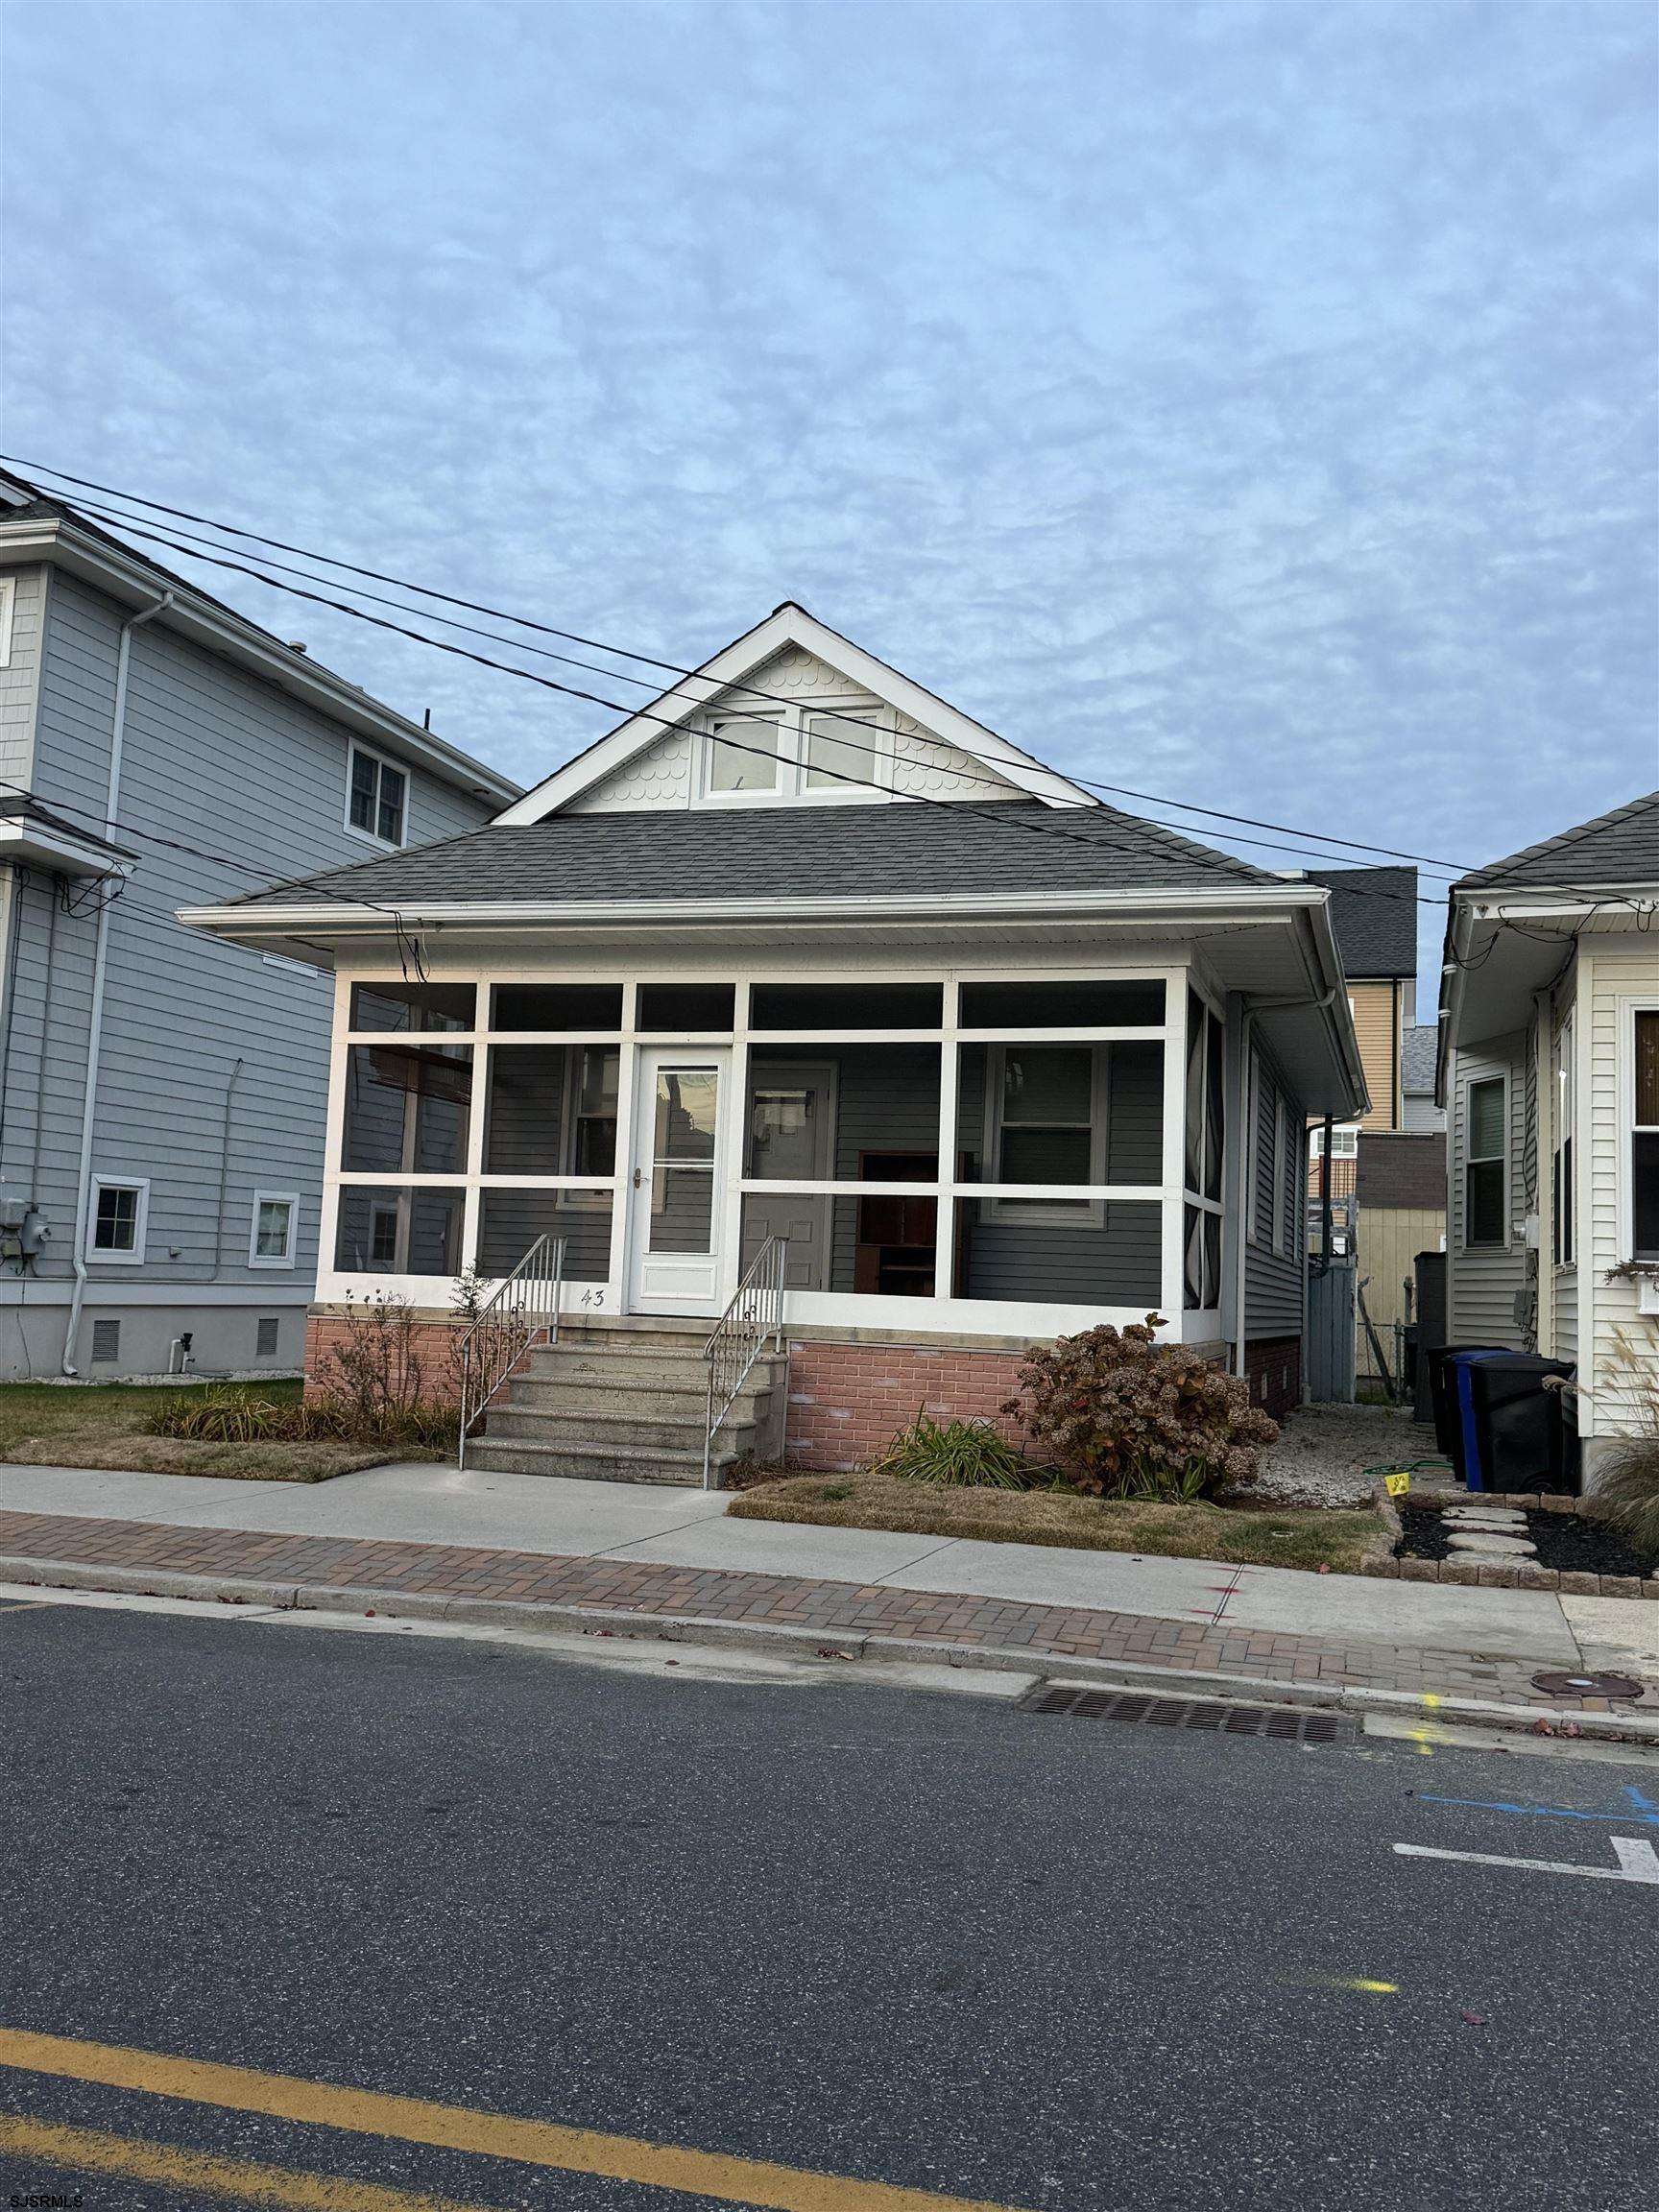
677,1188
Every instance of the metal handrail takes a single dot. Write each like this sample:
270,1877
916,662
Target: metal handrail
522,1306
754,1314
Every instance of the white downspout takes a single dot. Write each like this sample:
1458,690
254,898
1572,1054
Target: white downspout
100,961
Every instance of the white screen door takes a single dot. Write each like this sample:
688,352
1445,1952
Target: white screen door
677,1185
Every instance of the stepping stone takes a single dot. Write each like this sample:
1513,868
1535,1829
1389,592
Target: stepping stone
1493,1547
1512,1521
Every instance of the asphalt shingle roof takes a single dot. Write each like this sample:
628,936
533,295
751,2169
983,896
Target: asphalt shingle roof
1618,848
785,853
1374,915
1417,1051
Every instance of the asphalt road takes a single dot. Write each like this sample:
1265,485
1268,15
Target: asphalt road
925,1941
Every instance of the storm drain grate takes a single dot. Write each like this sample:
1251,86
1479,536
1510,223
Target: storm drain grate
1278,1722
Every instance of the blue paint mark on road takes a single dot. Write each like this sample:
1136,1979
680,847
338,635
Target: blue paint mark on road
1638,1810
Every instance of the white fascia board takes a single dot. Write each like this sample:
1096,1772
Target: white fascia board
1246,901
129,579
792,625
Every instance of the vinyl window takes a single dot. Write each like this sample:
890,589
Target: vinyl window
274,1229
1643,1136
378,798
1485,1174
1562,1227
119,1222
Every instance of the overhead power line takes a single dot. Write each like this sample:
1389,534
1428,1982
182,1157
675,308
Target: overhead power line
648,660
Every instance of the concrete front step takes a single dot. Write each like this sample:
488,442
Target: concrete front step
581,1432
592,1462
554,1363
661,1401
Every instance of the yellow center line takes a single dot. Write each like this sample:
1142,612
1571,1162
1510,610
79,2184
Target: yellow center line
711,2174
84,2151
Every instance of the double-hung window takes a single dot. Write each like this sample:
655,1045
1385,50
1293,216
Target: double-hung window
1562,1244
1485,1165
378,800
1048,1126
1643,1137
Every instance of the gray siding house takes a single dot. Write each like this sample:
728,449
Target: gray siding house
802,961
163,1095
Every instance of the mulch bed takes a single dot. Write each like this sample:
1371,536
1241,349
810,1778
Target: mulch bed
1570,1543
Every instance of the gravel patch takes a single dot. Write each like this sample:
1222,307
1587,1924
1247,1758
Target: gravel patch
1323,1451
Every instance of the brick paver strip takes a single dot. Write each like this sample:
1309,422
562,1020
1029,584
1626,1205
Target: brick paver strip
717,1594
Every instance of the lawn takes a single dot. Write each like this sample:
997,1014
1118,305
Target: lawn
102,1425
1293,1538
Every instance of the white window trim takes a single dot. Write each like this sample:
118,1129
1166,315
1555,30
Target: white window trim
1629,1006
1345,1142
791,787
98,1255
381,760
288,1198
1502,1242
1564,1130
1084,1213
8,606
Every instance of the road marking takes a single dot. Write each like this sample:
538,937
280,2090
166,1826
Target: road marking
1641,1808
713,2173
1638,1861
84,2151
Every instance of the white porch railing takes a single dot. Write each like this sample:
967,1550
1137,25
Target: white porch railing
754,1314
522,1308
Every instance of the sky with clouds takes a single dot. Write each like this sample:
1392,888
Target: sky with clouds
1253,405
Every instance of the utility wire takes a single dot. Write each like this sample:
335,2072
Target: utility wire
1046,828
646,659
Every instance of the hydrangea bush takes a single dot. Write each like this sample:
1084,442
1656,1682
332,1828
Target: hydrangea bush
1126,1416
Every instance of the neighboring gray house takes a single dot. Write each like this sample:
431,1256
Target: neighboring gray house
1423,1115
1550,1068
163,1097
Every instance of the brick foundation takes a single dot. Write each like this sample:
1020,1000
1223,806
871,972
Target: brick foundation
847,1401
1273,1365
430,1344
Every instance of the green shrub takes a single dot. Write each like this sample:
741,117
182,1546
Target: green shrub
1128,1417
966,1454
1626,1491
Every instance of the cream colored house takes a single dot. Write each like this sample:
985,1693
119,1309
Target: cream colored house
1550,1071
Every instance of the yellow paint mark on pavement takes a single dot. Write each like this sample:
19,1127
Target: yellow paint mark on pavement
85,2151
1355,1982
710,2174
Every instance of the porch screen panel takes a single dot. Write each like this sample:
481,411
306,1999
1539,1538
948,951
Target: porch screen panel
397,1230
557,1006
835,1112
406,1109
1062,1113
1109,1254
403,1005
524,1111
510,1221
1064,1005
833,1006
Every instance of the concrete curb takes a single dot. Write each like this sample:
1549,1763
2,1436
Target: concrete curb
1183,1682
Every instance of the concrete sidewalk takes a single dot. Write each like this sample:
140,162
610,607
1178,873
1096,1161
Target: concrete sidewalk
424,1503
424,1535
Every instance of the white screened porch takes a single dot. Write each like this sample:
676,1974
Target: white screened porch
946,1149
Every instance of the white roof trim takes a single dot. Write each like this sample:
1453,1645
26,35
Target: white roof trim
792,625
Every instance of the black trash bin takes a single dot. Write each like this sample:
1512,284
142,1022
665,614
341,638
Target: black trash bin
1443,1400
1519,1436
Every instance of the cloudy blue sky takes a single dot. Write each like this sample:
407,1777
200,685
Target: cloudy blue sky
1254,405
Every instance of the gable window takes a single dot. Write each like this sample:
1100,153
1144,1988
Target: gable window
743,757
1562,1245
120,1215
1644,1136
275,1225
1486,1197
840,755
377,799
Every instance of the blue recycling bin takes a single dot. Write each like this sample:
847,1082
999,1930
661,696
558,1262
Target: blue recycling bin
1465,1439
1443,1398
